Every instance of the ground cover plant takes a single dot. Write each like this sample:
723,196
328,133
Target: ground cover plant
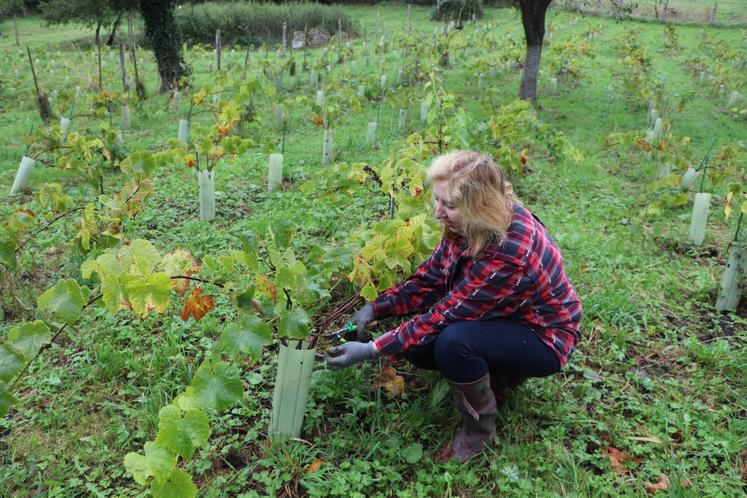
140,341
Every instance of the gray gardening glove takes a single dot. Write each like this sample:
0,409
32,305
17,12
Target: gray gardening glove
363,317
350,353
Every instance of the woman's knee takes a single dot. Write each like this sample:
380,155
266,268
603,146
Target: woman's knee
450,344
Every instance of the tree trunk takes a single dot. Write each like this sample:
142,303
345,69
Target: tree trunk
161,30
115,25
533,20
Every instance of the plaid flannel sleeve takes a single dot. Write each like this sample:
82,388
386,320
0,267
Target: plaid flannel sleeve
492,289
418,292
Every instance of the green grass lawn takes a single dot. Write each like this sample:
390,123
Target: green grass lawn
658,374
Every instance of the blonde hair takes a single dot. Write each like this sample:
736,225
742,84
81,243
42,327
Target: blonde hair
479,190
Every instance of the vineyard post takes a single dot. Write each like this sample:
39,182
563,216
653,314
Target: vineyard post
15,29
284,46
409,17
139,87
123,67
713,12
217,49
98,61
45,111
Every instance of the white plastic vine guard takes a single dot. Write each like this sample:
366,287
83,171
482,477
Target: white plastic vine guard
206,180
275,172
23,175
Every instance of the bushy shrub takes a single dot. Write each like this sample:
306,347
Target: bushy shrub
252,23
453,10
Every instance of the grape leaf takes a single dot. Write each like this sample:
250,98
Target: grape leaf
63,302
294,324
145,256
11,362
178,485
246,337
217,385
6,400
147,293
180,262
160,460
28,338
137,465
8,252
282,232
197,306
182,432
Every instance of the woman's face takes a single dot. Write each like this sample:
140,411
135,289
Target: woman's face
446,212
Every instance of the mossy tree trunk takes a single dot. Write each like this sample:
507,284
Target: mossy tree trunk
533,19
162,32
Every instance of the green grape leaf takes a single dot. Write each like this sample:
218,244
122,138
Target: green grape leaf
246,337
177,485
294,324
369,292
217,385
249,243
6,400
63,302
8,252
137,465
11,362
282,232
160,460
28,338
145,256
146,294
182,432
187,400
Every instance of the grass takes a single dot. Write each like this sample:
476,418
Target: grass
658,374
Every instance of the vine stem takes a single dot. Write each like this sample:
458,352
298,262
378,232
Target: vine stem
337,313
49,224
739,225
49,344
197,279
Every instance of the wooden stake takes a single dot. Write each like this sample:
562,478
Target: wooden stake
15,28
98,58
409,17
123,66
139,87
713,13
217,49
45,111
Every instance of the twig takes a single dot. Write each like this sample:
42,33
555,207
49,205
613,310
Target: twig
49,224
197,279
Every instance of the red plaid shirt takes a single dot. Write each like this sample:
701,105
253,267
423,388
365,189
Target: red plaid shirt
521,277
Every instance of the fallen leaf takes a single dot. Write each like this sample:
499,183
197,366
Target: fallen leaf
388,380
524,157
314,466
617,458
197,306
661,485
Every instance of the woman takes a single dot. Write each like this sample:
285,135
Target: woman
492,300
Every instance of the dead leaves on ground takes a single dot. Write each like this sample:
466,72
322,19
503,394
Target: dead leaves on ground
389,381
621,464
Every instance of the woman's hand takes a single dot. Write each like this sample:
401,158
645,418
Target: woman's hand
350,353
363,317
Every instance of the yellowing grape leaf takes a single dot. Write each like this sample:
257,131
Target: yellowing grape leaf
180,262
197,306
147,294
64,301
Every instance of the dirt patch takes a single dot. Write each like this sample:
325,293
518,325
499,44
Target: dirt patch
685,249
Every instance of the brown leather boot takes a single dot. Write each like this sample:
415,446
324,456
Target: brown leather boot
476,402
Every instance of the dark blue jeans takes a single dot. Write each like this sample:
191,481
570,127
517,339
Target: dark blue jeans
466,351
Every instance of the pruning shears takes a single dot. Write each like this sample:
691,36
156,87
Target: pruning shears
348,332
